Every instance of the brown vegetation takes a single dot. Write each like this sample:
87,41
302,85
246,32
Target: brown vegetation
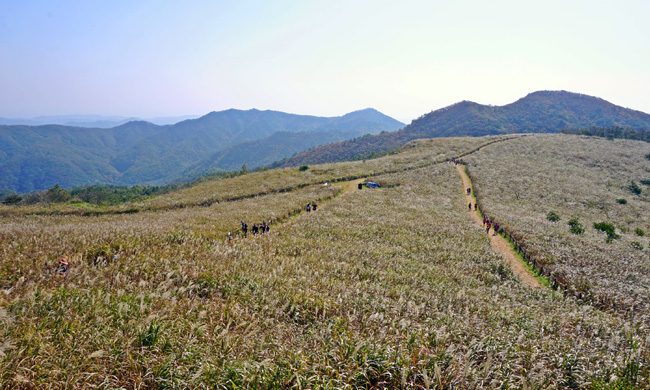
382,288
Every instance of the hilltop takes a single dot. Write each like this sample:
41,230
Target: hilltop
138,152
538,112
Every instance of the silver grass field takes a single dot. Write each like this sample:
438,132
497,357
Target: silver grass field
393,287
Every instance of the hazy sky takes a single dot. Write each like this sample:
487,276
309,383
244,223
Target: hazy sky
406,58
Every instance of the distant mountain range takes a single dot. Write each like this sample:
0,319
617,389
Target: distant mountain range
139,152
538,112
95,121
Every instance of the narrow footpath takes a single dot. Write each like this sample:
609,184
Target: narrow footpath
347,187
499,244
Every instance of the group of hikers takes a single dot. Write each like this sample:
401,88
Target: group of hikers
261,228
265,227
487,222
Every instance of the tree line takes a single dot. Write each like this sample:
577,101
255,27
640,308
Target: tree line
613,132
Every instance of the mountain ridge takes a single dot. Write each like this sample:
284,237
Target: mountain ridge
140,152
537,112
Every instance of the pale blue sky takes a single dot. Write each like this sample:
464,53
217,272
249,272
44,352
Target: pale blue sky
155,58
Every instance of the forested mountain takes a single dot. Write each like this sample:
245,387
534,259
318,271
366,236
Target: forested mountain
265,151
539,112
283,144
138,152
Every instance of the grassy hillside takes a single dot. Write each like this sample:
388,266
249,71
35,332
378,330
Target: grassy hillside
539,112
580,178
387,288
209,191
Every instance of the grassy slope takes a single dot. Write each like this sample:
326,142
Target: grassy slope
416,154
390,287
577,177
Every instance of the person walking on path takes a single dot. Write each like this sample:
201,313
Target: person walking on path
489,225
308,208
313,206
496,228
244,228
484,221
475,206
469,190
469,206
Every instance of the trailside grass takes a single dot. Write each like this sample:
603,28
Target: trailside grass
380,288
578,178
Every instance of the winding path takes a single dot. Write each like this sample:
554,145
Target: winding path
499,244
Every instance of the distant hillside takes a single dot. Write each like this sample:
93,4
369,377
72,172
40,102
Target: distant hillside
94,121
265,151
539,112
138,152
283,144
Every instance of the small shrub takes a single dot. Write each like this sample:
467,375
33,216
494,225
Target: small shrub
552,216
636,245
621,201
303,168
12,199
57,194
607,228
639,232
634,188
576,226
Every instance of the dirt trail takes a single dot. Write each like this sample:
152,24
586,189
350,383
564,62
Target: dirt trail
499,243
346,188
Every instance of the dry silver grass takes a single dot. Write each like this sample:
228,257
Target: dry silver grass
383,288
520,181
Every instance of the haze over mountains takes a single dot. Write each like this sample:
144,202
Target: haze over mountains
98,121
138,152
538,112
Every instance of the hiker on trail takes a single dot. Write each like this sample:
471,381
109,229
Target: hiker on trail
484,221
308,208
469,206
475,206
469,191
313,206
268,226
489,225
62,268
264,227
244,228
229,237
256,229
496,228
